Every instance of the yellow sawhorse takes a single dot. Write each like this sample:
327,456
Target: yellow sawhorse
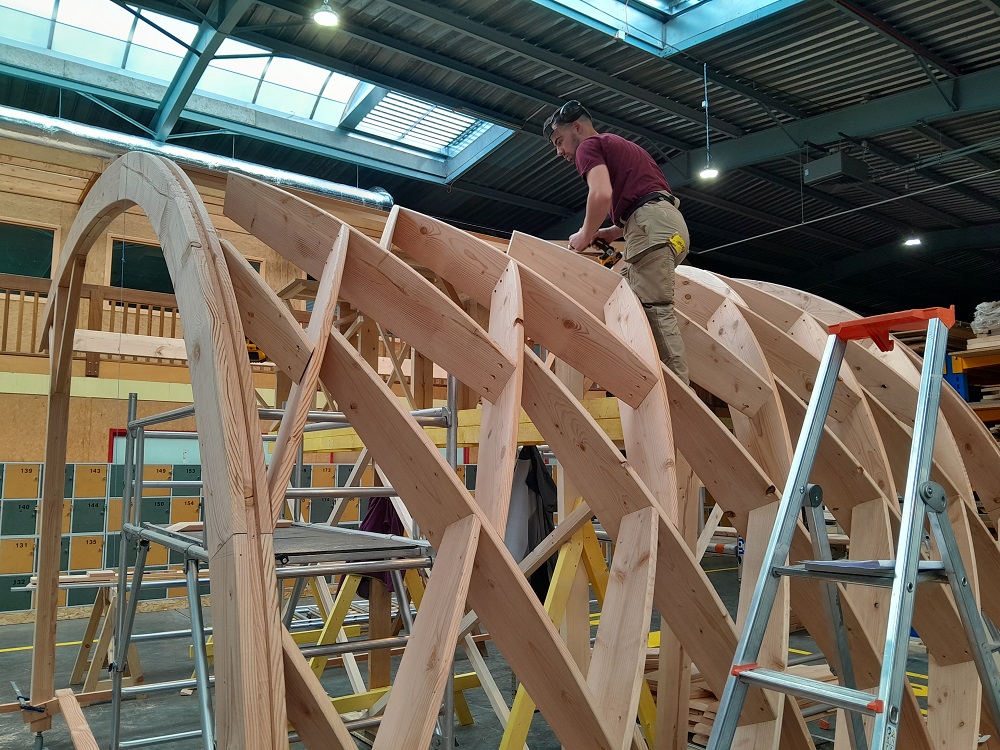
582,548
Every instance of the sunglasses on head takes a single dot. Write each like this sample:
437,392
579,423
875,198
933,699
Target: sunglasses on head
571,111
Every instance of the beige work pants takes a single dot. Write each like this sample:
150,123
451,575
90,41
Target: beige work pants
656,241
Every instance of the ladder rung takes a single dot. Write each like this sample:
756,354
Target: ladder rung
822,692
863,572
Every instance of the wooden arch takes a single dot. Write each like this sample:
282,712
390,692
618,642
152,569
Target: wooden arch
755,346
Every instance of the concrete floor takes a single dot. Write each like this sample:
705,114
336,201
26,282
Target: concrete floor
170,712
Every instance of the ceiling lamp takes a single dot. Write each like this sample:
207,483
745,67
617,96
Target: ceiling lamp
709,172
324,15
912,242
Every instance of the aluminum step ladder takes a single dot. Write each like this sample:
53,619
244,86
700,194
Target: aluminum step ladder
922,500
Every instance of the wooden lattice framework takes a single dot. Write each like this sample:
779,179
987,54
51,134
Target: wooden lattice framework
754,345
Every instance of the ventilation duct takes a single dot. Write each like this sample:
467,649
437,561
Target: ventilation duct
30,127
835,172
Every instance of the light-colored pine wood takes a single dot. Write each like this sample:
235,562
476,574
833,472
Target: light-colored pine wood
129,345
711,524
616,668
498,434
302,397
309,708
64,301
717,369
683,591
79,729
754,345
417,470
238,535
423,672
587,282
556,602
551,317
374,281
267,320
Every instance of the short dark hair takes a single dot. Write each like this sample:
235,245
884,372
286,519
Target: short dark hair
571,111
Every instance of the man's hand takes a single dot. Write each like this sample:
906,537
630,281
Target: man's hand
579,242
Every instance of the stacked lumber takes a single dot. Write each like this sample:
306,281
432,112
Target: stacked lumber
703,704
983,342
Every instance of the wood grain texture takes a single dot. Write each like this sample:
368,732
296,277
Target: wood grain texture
616,668
551,317
649,439
309,708
266,319
589,283
437,498
79,729
302,397
374,281
227,417
717,370
129,345
423,672
498,434
683,593
64,302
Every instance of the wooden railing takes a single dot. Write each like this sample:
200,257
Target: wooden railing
22,299
102,308
112,310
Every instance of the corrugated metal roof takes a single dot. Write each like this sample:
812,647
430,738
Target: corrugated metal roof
515,59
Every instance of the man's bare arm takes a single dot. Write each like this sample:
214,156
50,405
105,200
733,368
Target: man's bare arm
598,207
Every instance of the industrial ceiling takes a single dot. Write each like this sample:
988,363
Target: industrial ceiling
906,92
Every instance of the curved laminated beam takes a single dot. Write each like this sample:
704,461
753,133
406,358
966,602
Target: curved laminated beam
765,434
423,672
551,318
239,526
267,321
795,350
498,433
711,364
374,281
684,595
436,498
302,396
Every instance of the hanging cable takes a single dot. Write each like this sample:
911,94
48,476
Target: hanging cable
709,172
848,211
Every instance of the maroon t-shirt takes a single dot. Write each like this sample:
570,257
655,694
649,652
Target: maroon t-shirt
633,171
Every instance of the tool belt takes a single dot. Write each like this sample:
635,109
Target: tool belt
639,203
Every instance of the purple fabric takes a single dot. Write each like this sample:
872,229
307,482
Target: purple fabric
380,518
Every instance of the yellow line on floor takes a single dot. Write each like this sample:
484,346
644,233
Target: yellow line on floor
29,648
719,570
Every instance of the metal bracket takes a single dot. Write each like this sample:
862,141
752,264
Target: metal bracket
934,496
814,495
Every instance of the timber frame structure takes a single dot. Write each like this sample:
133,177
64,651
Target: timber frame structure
756,346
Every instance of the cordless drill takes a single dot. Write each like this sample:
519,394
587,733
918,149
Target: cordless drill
609,255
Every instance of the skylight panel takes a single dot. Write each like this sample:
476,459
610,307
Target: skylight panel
42,8
339,88
100,16
238,77
27,21
295,74
414,123
95,30
153,53
151,38
291,86
251,66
